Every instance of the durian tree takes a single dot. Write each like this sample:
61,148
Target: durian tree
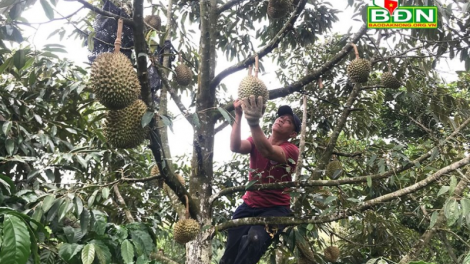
399,189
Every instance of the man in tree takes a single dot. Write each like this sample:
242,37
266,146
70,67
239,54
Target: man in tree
272,159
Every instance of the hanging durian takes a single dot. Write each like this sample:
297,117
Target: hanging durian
390,81
153,21
331,253
251,85
123,128
187,229
113,78
333,167
279,8
359,69
306,255
183,73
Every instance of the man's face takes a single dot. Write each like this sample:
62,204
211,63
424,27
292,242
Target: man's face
285,125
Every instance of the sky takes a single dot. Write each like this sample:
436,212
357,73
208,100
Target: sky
79,54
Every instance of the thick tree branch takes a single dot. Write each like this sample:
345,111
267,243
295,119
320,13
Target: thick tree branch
162,258
100,11
122,203
141,52
228,5
297,86
341,214
264,51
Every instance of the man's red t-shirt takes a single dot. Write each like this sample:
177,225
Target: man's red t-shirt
270,172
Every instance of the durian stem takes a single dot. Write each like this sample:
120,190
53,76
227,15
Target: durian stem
249,70
180,58
320,83
117,43
388,66
256,66
187,206
355,50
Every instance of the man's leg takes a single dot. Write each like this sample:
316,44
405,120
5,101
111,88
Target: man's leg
256,242
235,236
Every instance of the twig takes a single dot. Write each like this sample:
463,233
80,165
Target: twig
122,203
100,11
228,5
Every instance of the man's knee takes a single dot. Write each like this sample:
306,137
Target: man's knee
257,236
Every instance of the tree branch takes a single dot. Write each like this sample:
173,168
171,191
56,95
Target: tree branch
427,236
141,52
342,154
266,50
100,11
228,5
341,214
162,258
122,203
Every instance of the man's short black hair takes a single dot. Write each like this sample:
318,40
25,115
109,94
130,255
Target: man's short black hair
286,110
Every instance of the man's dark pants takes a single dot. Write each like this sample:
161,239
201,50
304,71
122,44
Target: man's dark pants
247,244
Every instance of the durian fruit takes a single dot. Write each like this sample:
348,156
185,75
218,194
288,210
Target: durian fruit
306,255
390,81
251,85
332,167
123,128
185,230
331,253
279,8
154,171
359,69
114,80
183,75
153,21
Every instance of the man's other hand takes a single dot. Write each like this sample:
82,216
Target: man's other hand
253,109
237,104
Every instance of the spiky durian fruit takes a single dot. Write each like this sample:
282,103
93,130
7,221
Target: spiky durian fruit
279,8
332,167
331,253
184,75
305,253
251,85
153,21
358,70
154,171
114,80
390,81
123,128
185,230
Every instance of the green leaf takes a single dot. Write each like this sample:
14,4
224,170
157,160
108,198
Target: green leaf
16,244
369,181
92,198
127,252
467,259
12,188
64,208
465,202
225,114
250,183
453,183
47,202
10,146
78,206
102,252
68,251
47,9
84,220
167,122
105,193
142,238
146,118
452,212
443,190
88,254
434,216
6,127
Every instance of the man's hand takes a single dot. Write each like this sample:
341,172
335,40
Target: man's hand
253,109
237,104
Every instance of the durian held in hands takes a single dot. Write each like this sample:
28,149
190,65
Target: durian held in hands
123,128
251,85
187,229
359,69
183,73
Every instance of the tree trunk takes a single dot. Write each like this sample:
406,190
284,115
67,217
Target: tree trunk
199,251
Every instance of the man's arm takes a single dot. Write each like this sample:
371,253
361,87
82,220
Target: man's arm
236,144
272,152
